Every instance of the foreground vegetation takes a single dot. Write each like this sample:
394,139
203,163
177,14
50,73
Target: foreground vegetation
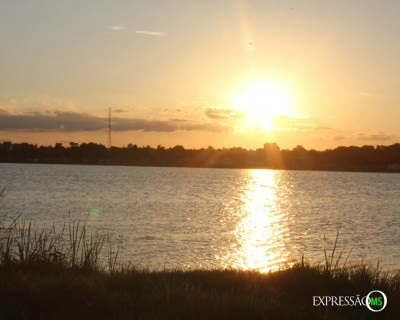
69,274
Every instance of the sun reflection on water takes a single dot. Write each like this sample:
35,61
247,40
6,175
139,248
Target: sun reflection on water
261,230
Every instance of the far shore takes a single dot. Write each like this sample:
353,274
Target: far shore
341,159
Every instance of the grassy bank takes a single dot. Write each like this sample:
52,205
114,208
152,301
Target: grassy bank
51,274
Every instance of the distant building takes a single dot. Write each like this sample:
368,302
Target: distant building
271,147
8,145
273,157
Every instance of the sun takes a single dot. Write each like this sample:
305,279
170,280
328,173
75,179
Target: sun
261,101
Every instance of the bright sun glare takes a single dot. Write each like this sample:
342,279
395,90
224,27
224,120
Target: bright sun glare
261,101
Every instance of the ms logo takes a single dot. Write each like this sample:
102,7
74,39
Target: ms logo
376,301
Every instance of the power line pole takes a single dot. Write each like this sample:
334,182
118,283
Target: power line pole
109,129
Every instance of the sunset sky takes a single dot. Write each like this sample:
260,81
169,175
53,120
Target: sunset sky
199,73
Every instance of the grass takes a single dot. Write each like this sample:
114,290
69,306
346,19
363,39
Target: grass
71,274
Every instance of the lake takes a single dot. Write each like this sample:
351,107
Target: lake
195,218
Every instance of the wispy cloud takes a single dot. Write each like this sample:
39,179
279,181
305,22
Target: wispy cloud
151,33
381,136
339,138
296,123
121,110
115,27
214,113
322,128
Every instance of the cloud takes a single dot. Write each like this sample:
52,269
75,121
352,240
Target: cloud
365,94
151,33
171,110
50,121
339,138
115,28
122,124
376,137
74,121
214,113
300,122
293,122
322,128
121,110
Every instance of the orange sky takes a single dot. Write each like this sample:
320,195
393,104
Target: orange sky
189,72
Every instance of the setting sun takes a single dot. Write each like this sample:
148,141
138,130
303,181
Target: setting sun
260,101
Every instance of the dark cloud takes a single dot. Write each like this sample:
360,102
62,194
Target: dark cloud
214,113
376,137
74,121
122,124
55,121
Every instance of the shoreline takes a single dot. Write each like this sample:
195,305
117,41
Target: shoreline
198,167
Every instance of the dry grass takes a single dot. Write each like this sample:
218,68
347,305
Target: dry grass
23,245
71,274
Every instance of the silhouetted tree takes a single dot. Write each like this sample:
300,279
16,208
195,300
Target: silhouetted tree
365,158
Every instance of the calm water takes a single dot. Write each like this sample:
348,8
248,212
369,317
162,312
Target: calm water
180,217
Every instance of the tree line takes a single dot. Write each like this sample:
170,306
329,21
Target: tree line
366,158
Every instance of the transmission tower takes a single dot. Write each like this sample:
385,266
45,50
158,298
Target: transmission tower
109,129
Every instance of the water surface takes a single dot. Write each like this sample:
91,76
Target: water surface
185,217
